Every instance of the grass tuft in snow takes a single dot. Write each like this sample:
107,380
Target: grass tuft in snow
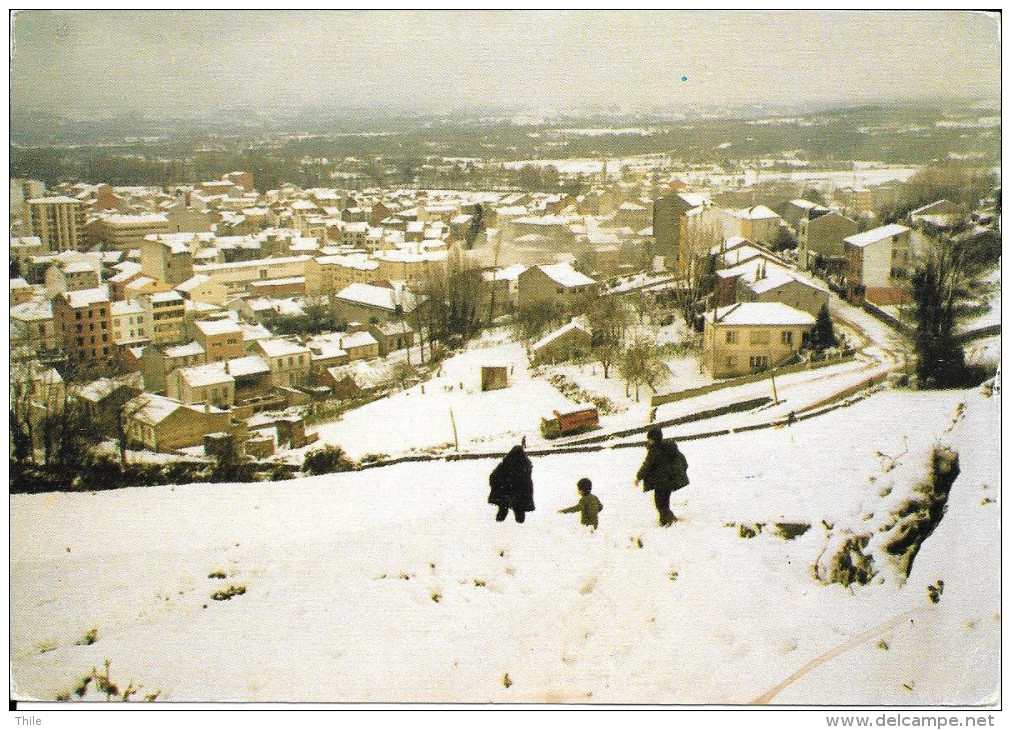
934,591
228,593
88,639
846,561
506,682
102,681
217,574
791,530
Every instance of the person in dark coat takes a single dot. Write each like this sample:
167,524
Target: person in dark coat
664,470
512,486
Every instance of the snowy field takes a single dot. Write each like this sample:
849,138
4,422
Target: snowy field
396,584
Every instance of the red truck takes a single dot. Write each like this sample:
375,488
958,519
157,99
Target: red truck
575,421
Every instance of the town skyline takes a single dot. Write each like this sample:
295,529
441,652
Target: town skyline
176,63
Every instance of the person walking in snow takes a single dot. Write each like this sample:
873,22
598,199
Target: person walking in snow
588,505
664,470
512,486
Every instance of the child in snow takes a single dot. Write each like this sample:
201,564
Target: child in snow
588,505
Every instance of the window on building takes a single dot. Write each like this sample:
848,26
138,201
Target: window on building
786,337
758,337
77,315
731,337
731,362
758,362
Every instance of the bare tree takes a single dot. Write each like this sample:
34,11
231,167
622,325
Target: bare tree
126,412
937,288
641,364
532,320
700,239
609,319
452,296
496,250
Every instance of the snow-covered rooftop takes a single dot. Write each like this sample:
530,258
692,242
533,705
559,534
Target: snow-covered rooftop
761,314
575,324
136,219
190,349
509,273
357,339
211,327
34,310
377,296
876,234
126,307
166,296
197,280
87,297
199,376
565,275
281,348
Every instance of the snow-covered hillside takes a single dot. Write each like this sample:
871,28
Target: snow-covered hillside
396,584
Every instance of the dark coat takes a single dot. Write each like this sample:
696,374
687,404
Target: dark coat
511,482
665,466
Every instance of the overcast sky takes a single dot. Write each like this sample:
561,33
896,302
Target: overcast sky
162,62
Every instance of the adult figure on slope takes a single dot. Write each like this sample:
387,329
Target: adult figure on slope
664,470
512,486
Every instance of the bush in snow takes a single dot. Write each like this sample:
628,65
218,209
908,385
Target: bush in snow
327,460
791,530
845,560
98,471
850,557
228,593
104,684
181,472
922,512
279,472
